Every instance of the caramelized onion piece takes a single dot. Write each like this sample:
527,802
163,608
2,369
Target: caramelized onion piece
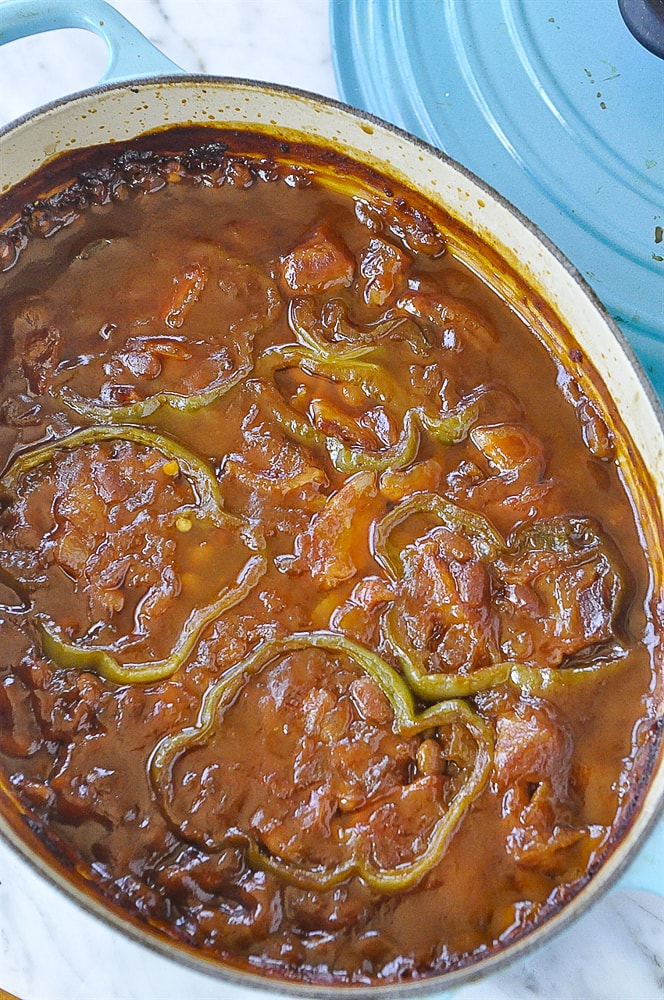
325,549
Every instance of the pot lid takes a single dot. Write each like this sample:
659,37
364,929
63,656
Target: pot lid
557,106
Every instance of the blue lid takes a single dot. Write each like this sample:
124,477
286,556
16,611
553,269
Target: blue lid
556,105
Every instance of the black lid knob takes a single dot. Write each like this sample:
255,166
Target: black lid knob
645,19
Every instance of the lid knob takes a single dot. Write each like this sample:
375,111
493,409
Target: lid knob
645,19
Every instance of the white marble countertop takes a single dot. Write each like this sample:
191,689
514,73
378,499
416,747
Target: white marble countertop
49,948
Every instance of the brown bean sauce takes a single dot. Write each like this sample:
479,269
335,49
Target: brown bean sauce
329,625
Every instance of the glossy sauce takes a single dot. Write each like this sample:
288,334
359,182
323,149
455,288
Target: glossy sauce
319,583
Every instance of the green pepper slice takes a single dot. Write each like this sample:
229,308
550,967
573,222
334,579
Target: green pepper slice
199,474
549,680
561,535
486,541
447,427
407,720
435,687
209,503
310,331
124,412
536,680
101,661
368,376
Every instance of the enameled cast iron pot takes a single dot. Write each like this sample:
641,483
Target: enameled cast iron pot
141,91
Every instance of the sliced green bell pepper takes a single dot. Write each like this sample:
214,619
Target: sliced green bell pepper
407,720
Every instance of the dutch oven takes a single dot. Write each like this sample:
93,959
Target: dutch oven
143,91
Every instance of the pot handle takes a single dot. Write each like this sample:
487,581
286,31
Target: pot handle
131,54
646,871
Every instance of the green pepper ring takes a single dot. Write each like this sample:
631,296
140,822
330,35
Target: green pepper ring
121,413
100,660
197,471
314,339
406,721
94,410
487,543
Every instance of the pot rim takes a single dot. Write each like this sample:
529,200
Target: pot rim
651,808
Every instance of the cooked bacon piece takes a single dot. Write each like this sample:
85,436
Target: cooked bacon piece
217,892
133,561
444,600
327,549
18,734
64,704
38,345
369,701
373,429
108,527
397,828
510,487
357,616
532,766
348,906
383,267
403,221
188,285
558,604
279,473
330,419
322,263
458,324
40,357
